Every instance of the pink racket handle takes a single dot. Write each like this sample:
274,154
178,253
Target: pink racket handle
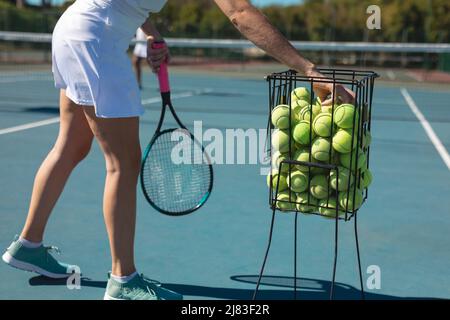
163,73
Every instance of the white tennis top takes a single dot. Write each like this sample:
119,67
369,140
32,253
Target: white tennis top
89,54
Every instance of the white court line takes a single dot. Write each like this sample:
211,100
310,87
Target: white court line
46,122
427,127
177,96
30,125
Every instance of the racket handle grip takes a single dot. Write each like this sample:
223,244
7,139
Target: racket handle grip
163,73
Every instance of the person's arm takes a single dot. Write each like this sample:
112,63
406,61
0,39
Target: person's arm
154,56
252,24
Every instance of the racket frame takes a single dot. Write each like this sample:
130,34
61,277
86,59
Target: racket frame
167,103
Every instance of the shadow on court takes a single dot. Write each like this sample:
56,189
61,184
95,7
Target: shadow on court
307,289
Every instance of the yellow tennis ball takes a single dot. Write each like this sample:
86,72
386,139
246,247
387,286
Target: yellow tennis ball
342,179
297,181
305,112
327,208
274,176
297,106
300,93
286,201
306,203
322,125
282,116
321,149
319,186
350,200
344,116
277,158
302,155
366,178
366,139
303,133
342,141
280,140
346,158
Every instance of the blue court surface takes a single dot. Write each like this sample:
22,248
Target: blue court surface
216,253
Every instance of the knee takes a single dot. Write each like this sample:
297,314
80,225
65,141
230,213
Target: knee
136,62
127,163
72,153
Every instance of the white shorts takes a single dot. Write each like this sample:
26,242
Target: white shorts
90,60
140,49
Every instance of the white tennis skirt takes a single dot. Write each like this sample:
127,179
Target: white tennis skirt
140,49
90,62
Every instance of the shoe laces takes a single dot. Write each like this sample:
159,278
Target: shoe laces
151,281
51,249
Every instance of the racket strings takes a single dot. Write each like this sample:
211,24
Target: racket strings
176,176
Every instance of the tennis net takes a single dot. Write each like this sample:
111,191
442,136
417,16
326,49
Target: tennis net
30,53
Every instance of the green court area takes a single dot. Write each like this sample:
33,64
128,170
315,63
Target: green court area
216,253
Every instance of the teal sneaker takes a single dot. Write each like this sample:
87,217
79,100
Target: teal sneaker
139,288
37,260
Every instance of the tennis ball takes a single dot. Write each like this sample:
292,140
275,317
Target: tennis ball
280,140
366,139
327,208
342,141
322,124
327,109
285,201
303,205
319,186
283,181
350,201
342,178
297,181
305,112
303,133
366,178
300,93
344,114
280,116
277,157
346,157
320,149
298,105
302,155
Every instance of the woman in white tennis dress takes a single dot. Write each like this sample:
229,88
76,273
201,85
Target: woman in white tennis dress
100,97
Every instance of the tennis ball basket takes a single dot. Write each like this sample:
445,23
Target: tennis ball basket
319,150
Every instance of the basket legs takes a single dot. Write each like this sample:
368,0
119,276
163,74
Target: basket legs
295,255
266,255
336,239
359,258
336,246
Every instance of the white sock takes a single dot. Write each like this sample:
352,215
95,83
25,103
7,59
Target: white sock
29,244
124,279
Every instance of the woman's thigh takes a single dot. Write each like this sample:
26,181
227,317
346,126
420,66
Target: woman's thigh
75,135
118,139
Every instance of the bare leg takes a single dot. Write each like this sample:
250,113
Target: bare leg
72,145
119,141
137,64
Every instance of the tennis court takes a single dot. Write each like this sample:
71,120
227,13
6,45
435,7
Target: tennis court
216,252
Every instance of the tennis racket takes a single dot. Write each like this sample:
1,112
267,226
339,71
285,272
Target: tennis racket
176,173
